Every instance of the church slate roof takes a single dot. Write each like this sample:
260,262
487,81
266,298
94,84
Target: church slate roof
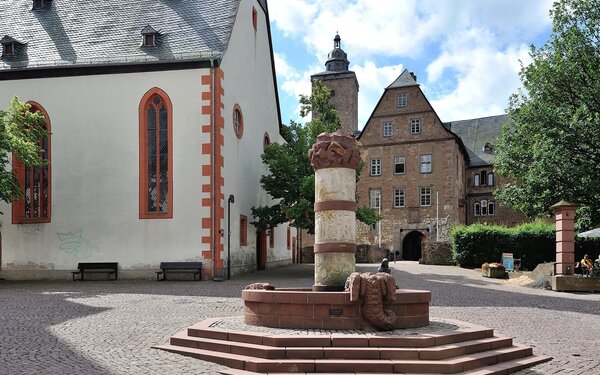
475,133
86,32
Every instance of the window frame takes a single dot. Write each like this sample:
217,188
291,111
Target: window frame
375,167
399,194
415,126
238,121
18,206
424,163
491,208
476,180
388,128
477,209
490,179
396,163
424,196
375,198
143,154
402,100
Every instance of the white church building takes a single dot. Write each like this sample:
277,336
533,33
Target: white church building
158,112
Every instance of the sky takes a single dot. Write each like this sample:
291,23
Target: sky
466,54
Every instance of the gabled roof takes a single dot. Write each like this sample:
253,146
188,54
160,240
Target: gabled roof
405,79
475,133
86,32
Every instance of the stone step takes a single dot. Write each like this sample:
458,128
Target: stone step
446,366
503,368
366,340
340,352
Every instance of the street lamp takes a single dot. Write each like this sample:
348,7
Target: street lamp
229,202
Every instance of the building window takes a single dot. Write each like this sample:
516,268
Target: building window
8,49
156,156
490,179
272,237
399,198
477,209
243,230
484,207
375,167
491,208
402,100
35,182
399,165
38,4
425,196
425,163
266,140
388,128
238,121
149,36
375,198
254,19
331,93
415,126
476,180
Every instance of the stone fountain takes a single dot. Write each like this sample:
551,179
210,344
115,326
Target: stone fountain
371,300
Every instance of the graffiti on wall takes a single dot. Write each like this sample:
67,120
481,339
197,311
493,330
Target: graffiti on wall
74,243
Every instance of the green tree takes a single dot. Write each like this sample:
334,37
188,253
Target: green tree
20,131
550,147
290,178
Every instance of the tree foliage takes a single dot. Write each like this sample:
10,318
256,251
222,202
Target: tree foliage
20,131
550,147
290,178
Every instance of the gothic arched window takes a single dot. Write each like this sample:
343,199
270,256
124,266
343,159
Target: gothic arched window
156,155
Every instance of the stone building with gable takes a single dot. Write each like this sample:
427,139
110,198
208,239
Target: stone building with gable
158,112
421,174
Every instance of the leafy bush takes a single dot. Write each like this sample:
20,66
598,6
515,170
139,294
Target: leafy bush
477,243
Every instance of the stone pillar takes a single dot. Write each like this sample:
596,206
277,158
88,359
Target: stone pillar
334,158
565,237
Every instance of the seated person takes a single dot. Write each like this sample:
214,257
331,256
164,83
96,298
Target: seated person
586,264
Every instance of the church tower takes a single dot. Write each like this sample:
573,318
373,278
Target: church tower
343,86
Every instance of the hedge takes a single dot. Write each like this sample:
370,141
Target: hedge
533,243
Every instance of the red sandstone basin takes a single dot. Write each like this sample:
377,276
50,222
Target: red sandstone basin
304,308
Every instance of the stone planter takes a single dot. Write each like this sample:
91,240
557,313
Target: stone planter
493,273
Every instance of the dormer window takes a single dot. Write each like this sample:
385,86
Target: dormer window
8,49
10,46
149,37
487,148
40,4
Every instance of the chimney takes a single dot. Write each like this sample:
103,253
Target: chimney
413,76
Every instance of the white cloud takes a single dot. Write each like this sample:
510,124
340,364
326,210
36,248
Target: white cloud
465,52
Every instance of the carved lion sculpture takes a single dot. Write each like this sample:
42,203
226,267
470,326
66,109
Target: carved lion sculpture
259,286
371,289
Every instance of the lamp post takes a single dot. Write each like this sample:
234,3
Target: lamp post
229,202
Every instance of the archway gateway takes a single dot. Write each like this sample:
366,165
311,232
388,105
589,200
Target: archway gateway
412,245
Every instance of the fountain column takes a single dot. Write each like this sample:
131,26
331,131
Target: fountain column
334,157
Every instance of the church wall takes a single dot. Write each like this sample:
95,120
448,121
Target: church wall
95,174
248,82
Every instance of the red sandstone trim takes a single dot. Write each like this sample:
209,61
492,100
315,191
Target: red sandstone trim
335,247
335,205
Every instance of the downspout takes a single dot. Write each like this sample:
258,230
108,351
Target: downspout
213,169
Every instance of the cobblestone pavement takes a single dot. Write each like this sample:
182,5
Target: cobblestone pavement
108,327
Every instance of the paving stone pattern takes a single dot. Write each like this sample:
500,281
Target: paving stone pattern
108,327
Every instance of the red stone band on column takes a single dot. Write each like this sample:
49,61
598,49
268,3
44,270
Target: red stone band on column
335,205
335,247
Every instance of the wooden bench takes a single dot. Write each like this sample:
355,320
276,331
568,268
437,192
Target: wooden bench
180,267
110,268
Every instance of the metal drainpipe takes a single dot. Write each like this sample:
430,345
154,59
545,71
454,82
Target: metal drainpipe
213,176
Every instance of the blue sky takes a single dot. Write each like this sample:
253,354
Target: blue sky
466,53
